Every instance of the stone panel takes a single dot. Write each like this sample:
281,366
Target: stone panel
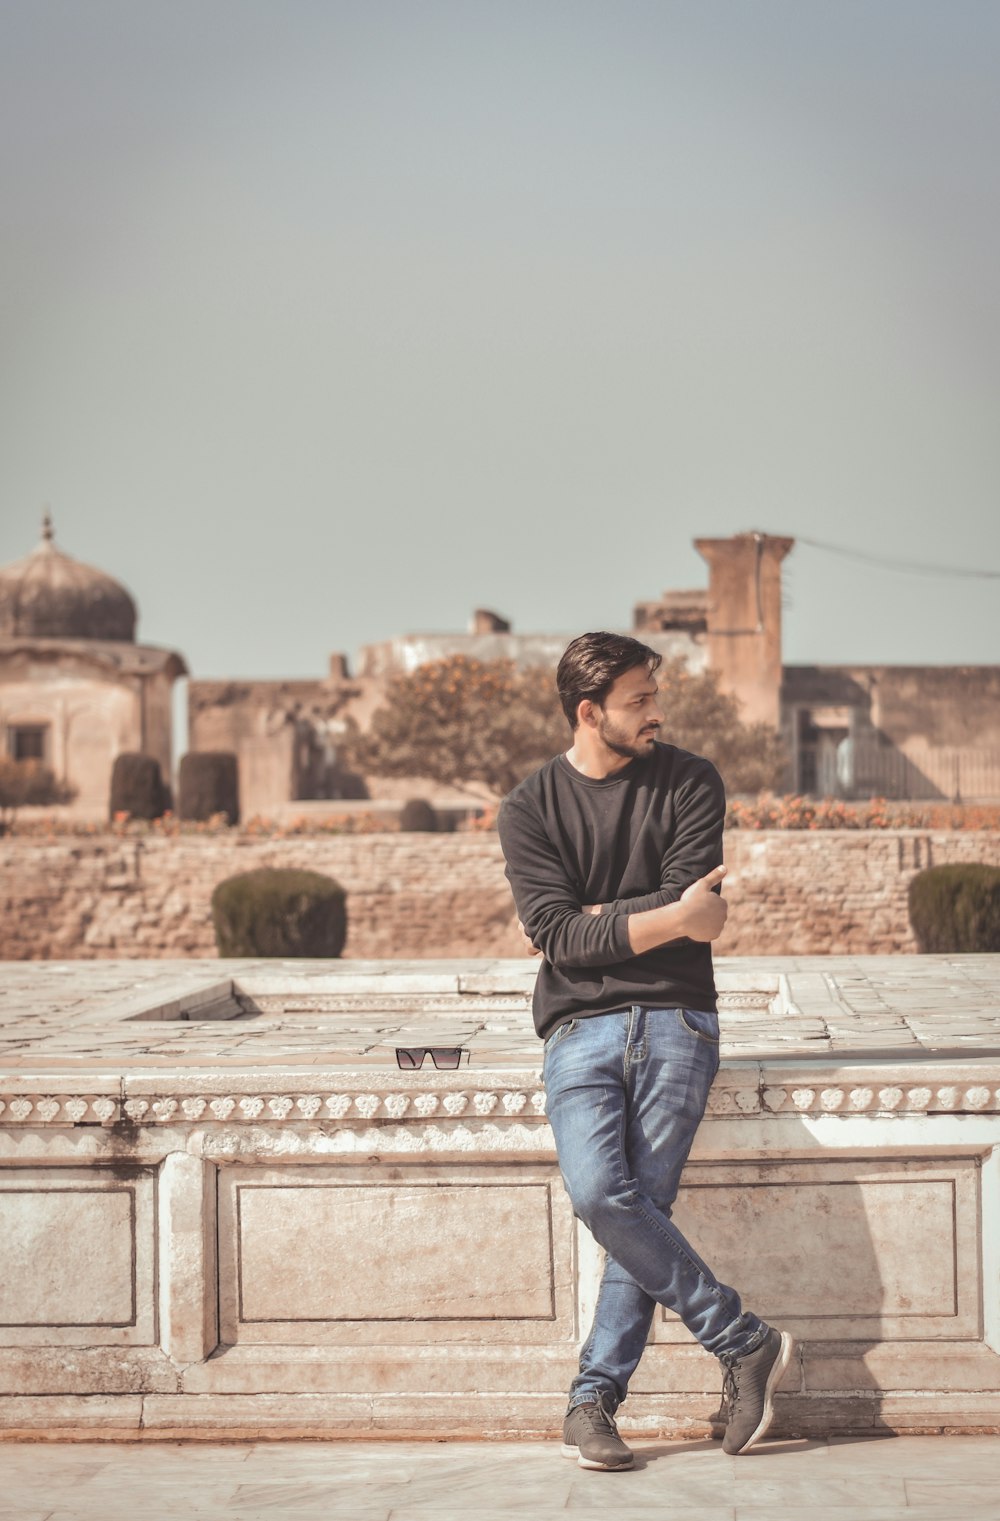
838,1251
76,1257
330,1254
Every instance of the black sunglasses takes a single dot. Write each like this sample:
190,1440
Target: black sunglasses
410,1058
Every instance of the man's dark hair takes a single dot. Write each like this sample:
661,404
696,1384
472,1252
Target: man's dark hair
592,664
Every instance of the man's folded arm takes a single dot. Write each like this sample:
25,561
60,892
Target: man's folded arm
696,846
547,907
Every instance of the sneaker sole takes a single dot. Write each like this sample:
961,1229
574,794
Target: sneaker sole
574,1452
781,1362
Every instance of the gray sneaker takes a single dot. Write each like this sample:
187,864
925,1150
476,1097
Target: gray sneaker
748,1390
591,1436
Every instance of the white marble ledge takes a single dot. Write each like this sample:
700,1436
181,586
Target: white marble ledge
143,1043
73,1017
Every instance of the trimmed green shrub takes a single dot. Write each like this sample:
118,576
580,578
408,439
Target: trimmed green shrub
208,784
417,817
956,908
277,911
137,787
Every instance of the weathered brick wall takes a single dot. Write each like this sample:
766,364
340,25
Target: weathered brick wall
791,893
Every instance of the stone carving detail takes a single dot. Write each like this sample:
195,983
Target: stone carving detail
723,1101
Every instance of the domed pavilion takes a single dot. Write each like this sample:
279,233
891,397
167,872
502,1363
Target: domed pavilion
75,688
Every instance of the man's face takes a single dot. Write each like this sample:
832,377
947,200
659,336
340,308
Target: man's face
630,717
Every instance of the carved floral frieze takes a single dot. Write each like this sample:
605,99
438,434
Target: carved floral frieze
726,1101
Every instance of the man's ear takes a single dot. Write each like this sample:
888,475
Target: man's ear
586,713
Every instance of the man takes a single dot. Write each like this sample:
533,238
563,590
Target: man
614,856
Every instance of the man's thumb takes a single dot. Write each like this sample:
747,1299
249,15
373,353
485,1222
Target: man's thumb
714,876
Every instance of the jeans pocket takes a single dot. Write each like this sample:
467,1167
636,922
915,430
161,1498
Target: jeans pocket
558,1034
698,1022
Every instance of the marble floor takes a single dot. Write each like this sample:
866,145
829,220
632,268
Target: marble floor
865,1479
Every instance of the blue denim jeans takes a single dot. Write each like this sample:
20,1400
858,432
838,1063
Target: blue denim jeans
625,1094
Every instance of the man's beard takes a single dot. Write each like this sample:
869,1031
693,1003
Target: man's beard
618,741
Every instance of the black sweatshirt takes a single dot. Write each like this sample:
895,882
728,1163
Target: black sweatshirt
631,841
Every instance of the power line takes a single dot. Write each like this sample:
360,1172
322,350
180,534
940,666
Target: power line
910,567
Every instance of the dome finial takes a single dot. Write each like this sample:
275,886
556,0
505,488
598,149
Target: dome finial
48,532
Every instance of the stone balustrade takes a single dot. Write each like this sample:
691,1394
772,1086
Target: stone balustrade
225,1211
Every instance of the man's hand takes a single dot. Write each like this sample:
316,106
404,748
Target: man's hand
699,914
704,912
530,950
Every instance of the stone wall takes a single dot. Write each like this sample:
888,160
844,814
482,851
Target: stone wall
791,893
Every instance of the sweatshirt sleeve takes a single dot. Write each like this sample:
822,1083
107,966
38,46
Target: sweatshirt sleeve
695,846
546,903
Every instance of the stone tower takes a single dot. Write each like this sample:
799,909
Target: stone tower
744,619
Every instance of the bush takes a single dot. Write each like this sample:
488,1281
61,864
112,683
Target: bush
417,817
279,912
137,787
208,785
956,908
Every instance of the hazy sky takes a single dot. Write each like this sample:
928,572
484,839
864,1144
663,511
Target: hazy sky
327,320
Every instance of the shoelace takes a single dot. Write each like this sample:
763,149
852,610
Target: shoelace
602,1416
730,1389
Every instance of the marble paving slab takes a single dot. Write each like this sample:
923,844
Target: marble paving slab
869,1479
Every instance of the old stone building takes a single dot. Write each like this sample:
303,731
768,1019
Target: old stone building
75,688
896,731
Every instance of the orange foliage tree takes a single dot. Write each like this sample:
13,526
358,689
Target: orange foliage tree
479,726
482,726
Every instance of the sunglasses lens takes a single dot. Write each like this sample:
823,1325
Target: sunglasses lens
447,1056
409,1059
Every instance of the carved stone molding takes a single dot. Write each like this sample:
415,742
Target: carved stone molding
887,1099
412,1107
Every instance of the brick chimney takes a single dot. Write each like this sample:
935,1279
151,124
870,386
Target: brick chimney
744,619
